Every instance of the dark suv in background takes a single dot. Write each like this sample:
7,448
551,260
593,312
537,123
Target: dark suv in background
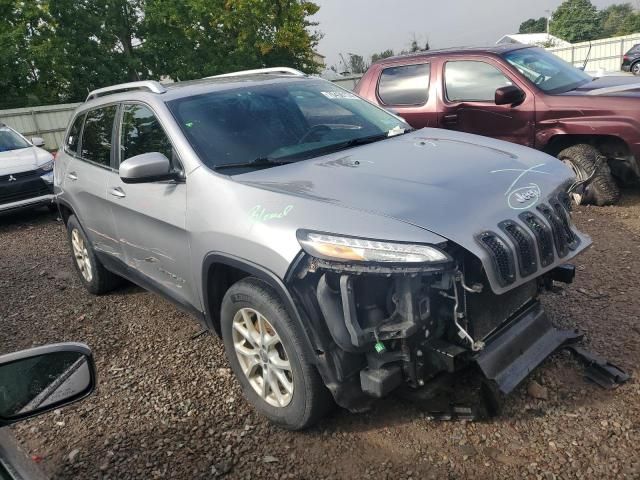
631,60
524,95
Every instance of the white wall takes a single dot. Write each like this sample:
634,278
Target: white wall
606,54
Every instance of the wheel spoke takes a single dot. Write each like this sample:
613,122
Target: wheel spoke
275,388
284,381
242,330
247,352
279,363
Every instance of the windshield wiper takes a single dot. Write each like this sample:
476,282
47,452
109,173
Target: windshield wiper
259,162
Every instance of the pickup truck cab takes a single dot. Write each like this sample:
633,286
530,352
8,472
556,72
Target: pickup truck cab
523,95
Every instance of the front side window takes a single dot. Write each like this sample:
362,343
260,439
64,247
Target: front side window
96,136
142,133
73,139
10,140
472,81
280,121
550,73
405,85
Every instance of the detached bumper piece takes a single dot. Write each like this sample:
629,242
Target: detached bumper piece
520,347
598,370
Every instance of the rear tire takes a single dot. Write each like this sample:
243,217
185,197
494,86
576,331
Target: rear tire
635,68
602,188
95,278
265,346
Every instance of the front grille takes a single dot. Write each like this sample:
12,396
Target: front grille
525,247
23,189
501,256
559,235
538,238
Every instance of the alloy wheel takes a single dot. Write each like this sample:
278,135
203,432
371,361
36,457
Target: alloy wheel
81,255
262,357
636,68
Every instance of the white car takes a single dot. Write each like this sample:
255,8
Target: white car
26,171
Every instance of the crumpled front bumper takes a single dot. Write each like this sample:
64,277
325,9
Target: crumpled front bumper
512,353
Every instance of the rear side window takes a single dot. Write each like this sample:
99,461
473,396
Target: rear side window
472,81
142,133
73,139
405,85
96,136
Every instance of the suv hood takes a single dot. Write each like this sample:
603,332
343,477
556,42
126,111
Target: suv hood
614,85
453,184
23,160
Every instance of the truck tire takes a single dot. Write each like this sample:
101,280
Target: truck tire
265,349
583,160
95,278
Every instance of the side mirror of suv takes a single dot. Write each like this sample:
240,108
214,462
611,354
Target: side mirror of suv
41,379
146,167
37,141
509,95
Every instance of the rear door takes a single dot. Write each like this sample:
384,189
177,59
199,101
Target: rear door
405,89
468,101
150,218
88,152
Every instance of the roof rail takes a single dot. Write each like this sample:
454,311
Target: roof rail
285,70
148,85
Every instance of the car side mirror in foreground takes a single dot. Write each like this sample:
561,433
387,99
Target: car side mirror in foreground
37,141
509,95
146,168
41,379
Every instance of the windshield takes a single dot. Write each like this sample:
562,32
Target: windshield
10,140
550,73
270,122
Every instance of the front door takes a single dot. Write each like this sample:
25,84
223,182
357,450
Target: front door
468,103
150,218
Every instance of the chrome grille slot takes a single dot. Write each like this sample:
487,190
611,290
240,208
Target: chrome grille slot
501,256
525,247
543,236
559,236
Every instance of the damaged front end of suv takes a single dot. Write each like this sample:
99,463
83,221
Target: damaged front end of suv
403,315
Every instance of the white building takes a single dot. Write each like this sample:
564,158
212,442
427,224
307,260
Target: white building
540,39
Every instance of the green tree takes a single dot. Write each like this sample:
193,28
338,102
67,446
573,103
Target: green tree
379,56
613,18
631,24
357,63
576,21
533,25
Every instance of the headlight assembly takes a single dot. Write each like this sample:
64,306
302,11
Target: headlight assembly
46,167
348,249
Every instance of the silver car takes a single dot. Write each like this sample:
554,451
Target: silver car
340,254
26,171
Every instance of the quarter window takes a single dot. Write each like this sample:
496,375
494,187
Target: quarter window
473,81
142,133
405,85
73,139
96,136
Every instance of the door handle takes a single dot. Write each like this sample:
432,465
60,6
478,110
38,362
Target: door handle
117,192
451,119
72,176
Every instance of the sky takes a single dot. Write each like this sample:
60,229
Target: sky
364,27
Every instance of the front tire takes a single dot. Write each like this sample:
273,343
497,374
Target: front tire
95,278
602,189
265,348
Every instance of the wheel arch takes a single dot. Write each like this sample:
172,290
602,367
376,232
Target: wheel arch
220,271
65,210
604,143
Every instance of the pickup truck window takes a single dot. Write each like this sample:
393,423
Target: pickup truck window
472,81
548,72
405,85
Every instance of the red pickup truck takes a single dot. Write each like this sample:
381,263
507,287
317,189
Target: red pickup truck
524,95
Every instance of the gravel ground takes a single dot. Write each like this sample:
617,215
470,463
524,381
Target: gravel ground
167,405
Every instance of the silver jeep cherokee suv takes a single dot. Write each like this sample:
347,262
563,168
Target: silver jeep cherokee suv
339,254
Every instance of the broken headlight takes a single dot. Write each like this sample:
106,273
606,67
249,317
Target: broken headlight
341,249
